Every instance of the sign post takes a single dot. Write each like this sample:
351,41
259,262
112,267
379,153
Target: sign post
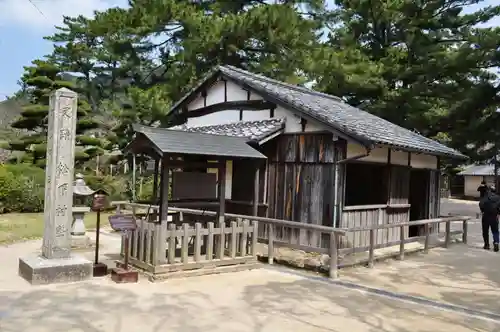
125,224
98,204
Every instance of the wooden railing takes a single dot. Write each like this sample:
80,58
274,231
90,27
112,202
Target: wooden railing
273,232
427,224
189,246
372,215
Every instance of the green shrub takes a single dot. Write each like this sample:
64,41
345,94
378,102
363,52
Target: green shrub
115,186
21,188
144,191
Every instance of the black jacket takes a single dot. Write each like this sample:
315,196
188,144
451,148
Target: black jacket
490,204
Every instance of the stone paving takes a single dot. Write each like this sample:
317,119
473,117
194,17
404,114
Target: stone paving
462,275
261,300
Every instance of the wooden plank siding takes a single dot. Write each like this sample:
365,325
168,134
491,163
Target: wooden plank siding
301,184
366,216
396,210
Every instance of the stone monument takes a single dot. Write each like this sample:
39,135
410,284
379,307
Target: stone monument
56,263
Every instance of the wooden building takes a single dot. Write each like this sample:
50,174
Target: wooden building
328,163
472,176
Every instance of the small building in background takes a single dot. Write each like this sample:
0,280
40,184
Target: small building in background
473,175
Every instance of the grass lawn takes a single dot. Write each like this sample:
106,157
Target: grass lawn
24,226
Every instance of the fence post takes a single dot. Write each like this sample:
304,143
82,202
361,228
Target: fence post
427,237
334,258
255,226
371,256
270,244
171,243
465,230
401,242
447,238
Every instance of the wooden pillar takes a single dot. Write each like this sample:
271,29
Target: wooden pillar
161,245
134,170
389,177
221,189
155,181
256,192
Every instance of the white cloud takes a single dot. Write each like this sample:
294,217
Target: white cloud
21,14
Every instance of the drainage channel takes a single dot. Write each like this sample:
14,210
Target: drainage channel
393,295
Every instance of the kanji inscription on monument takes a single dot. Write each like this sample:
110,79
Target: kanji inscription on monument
57,264
59,174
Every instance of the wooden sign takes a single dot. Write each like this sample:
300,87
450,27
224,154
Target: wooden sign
99,202
122,222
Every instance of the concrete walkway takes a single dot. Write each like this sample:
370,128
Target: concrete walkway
259,300
462,275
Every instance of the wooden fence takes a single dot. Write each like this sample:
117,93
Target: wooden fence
428,224
373,215
189,248
201,244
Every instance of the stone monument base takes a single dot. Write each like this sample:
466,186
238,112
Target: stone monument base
80,242
39,270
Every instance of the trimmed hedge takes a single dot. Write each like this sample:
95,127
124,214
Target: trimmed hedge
22,187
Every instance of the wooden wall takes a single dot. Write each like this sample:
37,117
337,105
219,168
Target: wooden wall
301,177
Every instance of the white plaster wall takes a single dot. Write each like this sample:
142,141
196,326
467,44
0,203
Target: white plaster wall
399,158
215,94
471,183
419,160
222,117
380,155
256,115
377,155
229,178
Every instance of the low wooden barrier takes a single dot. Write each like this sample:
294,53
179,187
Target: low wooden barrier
190,248
199,245
404,239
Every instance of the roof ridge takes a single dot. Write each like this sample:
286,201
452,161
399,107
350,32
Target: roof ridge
287,85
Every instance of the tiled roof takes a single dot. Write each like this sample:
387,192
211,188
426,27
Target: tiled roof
478,170
184,142
251,130
338,115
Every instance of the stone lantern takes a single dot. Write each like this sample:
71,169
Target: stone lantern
80,192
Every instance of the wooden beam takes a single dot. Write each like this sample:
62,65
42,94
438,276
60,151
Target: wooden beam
161,246
256,192
156,180
249,105
192,164
221,190
389,176
134,170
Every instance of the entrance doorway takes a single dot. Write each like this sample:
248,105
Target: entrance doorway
419,192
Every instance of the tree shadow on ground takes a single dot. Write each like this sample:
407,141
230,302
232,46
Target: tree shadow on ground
460,275
293,304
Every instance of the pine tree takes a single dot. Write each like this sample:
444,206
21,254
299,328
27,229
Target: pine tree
41,79
415,63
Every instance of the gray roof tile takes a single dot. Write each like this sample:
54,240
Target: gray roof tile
478,170
251,130
184,142
340,116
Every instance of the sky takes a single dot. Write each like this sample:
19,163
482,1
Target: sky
23,26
